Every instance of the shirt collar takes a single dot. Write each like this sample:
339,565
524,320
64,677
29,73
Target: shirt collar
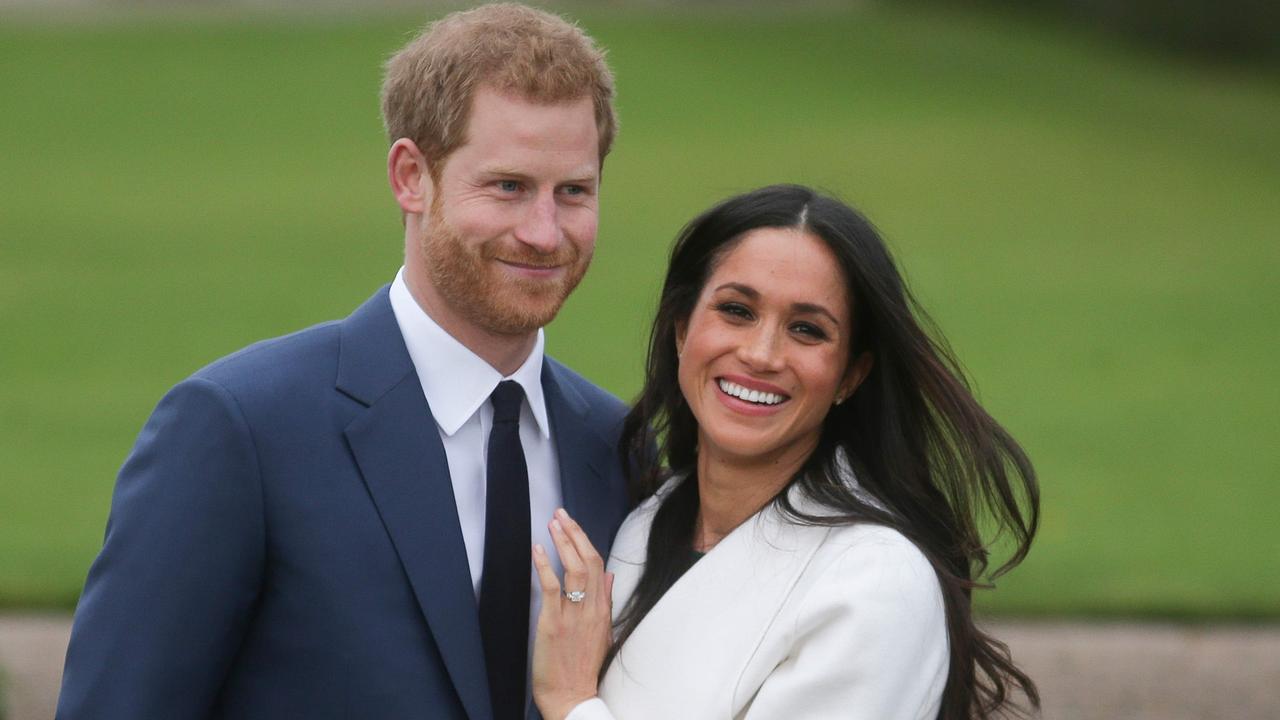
456,381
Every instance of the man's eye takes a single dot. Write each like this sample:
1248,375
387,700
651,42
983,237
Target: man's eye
508,185
573,190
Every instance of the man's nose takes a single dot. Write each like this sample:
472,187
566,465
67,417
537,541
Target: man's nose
539,228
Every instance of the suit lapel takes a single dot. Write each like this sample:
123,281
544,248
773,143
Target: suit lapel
403,463
582,455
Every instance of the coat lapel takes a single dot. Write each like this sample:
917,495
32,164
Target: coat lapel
403,463
727,601
583,456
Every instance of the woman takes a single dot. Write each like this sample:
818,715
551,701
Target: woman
808,548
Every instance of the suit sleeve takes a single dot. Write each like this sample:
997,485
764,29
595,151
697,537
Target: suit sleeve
167,600
870,641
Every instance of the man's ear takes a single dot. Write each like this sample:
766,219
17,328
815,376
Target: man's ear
410,182
853,377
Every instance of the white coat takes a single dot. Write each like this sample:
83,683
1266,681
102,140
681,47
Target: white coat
780,621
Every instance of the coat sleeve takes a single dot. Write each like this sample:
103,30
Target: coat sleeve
593,709
167,600
869,641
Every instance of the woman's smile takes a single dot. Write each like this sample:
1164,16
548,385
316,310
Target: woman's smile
750,396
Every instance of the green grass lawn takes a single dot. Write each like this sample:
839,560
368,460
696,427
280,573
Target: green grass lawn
1094,228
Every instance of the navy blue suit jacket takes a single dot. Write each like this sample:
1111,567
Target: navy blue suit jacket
284,542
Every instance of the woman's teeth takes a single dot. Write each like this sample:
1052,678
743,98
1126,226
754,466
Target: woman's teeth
751,396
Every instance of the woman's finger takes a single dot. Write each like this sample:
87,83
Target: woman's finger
575,571
581,542
547,579
594,585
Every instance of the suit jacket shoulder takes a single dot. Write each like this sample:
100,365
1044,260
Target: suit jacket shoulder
277,360
330,370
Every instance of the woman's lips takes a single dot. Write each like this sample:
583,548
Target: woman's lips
748,396
753,384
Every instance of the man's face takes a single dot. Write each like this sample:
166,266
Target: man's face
512,224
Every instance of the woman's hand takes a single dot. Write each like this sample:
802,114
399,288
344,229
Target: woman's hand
572,637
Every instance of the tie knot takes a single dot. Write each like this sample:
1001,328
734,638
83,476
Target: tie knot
506,401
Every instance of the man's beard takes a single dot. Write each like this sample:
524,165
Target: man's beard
466,276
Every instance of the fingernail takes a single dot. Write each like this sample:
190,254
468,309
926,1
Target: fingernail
537,549
555,526
561,512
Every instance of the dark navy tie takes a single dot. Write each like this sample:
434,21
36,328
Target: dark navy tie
504,582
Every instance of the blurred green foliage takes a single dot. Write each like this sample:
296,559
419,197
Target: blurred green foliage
1247,30
1093,227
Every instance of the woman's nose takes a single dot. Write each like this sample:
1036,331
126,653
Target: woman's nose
760,350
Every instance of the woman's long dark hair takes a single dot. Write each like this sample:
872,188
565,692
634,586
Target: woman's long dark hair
919,443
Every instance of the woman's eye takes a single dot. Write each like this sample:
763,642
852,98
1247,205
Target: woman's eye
810,330
732,309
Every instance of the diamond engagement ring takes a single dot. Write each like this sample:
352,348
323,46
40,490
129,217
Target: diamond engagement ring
576,596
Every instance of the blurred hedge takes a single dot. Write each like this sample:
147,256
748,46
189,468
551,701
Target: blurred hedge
1229,29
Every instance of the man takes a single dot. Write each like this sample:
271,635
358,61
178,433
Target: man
337,523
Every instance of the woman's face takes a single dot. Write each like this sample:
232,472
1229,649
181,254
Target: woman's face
765,352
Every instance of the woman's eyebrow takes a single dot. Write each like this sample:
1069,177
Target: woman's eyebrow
814,309
739,287
804,308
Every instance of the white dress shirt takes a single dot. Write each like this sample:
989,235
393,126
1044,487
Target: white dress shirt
457,385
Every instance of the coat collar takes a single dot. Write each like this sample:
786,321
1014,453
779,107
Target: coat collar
769,531
372,358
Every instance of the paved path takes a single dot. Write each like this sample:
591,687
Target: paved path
1150,672
31,652
1085,671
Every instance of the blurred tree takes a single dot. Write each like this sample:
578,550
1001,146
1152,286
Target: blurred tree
1234,29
